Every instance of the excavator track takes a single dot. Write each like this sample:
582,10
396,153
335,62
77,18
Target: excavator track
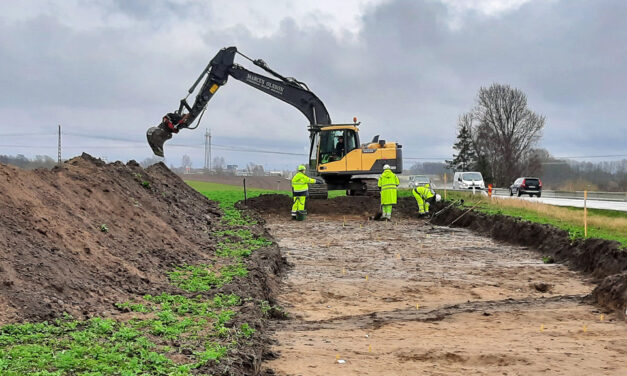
372,187
318,191
363,187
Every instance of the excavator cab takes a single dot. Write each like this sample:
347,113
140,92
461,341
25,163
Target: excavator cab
334,145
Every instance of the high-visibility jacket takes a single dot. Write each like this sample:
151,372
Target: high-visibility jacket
424,192
388,183
300,184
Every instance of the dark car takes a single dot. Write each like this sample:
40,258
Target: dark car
530,186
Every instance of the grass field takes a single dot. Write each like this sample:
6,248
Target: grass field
211,190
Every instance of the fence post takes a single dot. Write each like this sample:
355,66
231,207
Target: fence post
585,214
445,186
244,191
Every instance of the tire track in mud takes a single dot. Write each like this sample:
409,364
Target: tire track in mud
406,298
376,320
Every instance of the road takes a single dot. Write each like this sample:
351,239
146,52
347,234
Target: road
575,202
591,204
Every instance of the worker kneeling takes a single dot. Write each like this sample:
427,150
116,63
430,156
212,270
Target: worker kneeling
388,182
424,197
300,191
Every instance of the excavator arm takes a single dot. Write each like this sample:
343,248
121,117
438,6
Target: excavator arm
216,74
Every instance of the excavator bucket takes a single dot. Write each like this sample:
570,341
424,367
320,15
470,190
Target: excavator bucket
156,137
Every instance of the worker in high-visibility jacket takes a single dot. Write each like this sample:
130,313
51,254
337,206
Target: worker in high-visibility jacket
388,182
300,190
425,197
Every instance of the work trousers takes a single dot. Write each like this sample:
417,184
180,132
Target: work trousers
299,204
387,211
423,205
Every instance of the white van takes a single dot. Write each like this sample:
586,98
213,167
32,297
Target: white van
468,180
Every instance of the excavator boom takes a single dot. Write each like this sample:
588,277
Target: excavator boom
217,72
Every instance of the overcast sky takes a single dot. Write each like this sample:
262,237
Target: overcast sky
107,70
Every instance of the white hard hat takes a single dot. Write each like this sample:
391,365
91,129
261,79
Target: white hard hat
438,198
386,167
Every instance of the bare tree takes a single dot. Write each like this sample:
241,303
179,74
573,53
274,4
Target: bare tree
507,131
255,169
186,161
150,161
218,164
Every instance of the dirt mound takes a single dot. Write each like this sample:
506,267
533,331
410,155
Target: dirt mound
277,204
612,293
86,235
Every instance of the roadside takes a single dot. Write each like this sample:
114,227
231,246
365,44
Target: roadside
603,224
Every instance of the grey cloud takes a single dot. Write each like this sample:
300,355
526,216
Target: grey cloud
407,75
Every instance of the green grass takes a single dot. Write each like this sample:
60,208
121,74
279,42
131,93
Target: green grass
603,224
219,191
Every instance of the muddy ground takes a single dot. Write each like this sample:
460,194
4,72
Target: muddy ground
409,297
372,298
604,260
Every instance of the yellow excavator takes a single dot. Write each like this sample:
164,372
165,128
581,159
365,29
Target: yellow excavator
336,155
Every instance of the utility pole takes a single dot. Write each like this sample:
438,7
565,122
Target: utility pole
59,148
207,150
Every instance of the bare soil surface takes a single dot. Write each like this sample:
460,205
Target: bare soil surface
407,298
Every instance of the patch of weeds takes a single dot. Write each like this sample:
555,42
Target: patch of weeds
203,277
146,184
246,244
104,228
132,307
213,351
269,310
246,330
95,347
548,259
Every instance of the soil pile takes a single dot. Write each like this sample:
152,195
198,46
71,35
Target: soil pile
86,235
278,204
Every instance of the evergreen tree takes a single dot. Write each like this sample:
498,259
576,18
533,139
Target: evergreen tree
465,159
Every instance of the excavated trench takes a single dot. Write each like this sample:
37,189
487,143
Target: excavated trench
406,297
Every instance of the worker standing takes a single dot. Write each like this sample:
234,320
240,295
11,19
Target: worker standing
424,197
300,190
388,182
